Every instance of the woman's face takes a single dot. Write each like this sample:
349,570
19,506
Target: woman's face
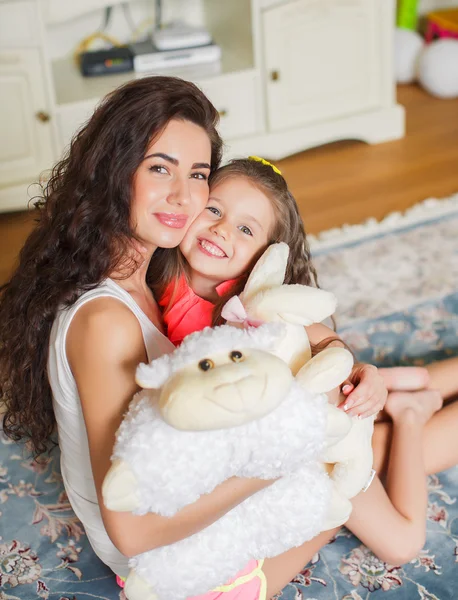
170,186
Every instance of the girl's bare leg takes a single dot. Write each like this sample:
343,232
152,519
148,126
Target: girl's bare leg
443,376
377,518
392,521
440,441
440,451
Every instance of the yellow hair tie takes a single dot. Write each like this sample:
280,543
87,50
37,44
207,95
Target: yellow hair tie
265,162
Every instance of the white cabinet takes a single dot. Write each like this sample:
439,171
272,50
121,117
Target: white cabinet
295,74
235,96
26,143
321,60
26,137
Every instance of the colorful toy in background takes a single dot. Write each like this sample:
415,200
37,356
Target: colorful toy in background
432,62
407,14
442,24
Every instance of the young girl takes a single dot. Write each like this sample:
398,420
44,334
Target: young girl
250,207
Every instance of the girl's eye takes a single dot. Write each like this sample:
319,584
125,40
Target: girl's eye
244,229
214,210
158,169
201,176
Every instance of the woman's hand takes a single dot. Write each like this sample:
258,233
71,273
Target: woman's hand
365,392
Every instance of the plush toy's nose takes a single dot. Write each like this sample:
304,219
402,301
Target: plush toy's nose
241,395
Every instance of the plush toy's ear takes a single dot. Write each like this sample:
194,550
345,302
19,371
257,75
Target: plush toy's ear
326,370
298,304
154,375
268,272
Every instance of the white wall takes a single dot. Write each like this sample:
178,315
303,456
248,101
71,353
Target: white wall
426,6
70,21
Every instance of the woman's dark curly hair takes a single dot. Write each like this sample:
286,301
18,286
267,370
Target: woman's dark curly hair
83,233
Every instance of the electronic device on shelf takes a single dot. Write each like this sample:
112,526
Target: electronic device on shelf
149,59
106,62
178,35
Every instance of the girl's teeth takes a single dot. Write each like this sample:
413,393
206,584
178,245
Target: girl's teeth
211,248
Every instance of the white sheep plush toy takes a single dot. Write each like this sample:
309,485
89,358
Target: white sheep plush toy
266,299
223,405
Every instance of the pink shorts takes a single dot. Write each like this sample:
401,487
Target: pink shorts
249,584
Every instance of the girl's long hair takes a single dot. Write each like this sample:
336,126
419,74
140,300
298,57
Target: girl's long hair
83,234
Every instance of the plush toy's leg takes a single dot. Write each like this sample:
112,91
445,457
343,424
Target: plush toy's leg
137,588
119,489
352,476
339,511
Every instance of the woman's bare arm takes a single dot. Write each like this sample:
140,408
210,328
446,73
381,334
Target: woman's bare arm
104,347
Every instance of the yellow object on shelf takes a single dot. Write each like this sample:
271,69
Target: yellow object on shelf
442,23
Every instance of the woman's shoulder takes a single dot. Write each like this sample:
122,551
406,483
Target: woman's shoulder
105,325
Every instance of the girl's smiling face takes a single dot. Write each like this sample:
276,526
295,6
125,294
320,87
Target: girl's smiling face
231,231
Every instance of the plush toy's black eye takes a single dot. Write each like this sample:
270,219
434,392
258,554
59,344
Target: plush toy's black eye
206,364
236,356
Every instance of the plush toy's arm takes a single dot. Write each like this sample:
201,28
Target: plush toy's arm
326,370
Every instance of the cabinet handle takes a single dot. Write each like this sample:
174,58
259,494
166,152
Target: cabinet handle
42,116
274,75
222,112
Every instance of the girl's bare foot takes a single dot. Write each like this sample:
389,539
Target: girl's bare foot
405,378
422,404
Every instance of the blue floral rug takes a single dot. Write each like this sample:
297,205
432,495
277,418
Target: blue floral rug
396,282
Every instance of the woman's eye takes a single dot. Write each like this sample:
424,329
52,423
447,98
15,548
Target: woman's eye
246,230
214,210
158,169
201,176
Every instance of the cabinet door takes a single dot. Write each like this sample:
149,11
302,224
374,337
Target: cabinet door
322,60
25,134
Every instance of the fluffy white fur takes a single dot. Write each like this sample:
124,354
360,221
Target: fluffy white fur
174,468
272,521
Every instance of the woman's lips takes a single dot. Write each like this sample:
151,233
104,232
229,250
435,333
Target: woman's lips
172,220
211,249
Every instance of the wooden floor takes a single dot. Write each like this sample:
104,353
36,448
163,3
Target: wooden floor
346,182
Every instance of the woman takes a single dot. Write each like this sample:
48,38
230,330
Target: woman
78,316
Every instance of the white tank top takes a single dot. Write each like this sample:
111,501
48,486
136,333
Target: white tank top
75,460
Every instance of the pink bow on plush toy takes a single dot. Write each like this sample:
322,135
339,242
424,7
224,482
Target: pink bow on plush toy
234,312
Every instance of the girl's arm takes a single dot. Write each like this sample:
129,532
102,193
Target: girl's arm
392,521
104,347
366,393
